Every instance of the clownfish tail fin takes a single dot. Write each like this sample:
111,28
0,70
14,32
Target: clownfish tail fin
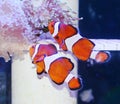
100,56
74,83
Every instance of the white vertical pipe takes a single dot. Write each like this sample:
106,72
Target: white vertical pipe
107,44
27,88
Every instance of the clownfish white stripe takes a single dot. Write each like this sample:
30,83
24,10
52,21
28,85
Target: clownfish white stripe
69,77
56,29
49,59
36,51
93,54
72,40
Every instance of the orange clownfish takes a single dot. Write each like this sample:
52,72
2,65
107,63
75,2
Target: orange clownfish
69,39
56,64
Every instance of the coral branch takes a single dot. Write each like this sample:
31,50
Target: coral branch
21,23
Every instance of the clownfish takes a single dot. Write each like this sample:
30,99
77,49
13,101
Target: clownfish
69,39
57,65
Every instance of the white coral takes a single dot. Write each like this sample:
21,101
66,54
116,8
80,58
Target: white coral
13,24
22,23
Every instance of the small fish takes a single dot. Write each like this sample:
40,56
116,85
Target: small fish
69,39
57,65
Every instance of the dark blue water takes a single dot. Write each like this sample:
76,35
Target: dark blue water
102,79
101,18
5,81
101,21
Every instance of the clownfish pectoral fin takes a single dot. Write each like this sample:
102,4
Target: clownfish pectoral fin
39,70
40,67
102,57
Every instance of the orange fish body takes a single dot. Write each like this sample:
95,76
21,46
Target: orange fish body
69,39
56,64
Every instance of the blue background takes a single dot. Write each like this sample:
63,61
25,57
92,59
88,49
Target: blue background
5,80
101,20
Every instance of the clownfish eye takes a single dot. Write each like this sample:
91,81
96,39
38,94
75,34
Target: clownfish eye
56,37
52,23
33,46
